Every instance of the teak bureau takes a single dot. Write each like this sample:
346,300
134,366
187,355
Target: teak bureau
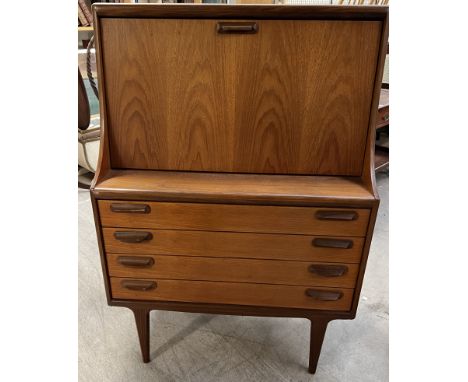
236,165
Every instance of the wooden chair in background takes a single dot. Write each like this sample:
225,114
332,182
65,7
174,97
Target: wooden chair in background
88,138
382,125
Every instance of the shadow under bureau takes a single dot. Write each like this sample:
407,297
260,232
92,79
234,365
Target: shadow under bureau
236,166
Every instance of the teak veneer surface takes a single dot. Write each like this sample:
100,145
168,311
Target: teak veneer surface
231,188
233,270
233,244
233,293
236,218
293,98
235,141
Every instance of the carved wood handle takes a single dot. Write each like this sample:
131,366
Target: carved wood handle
135,208
322,242
323,295
133,236
336,215
135,261
139,285
326,270
237,27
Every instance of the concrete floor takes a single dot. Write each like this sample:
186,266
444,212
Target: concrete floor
201,347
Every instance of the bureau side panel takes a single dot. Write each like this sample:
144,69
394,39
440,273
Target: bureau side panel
100,240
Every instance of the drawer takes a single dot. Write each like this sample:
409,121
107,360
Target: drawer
234,244
238,218
232,293
233,270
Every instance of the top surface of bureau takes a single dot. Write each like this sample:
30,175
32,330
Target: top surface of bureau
292,98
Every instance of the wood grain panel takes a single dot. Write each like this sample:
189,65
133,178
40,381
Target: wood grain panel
233,244
225,188
233,270
232,293
237,218
293,98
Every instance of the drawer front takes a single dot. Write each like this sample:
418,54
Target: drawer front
266,102
234,244
233,270
238,218
232,293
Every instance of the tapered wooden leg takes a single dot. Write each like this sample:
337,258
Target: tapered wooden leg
143,328
318,327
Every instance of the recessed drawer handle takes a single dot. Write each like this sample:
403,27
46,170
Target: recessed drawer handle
323,295
133,236
336,215
332,243
138,285
135,261
237,27
328,270
130,208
